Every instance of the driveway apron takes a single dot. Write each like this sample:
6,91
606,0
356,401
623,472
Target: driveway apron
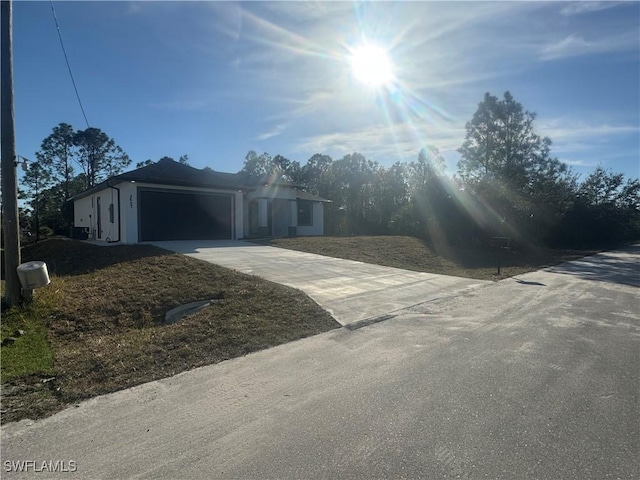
352,292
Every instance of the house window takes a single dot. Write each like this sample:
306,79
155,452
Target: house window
305,213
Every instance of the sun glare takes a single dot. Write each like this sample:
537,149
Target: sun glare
371,65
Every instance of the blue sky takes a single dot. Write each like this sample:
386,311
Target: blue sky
214,79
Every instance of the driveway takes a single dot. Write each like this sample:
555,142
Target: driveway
353,292
536,378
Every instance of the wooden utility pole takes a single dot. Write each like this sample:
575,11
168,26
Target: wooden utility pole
13,290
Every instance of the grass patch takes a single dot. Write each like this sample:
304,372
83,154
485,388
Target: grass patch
29,353
414,254
27,362
104,321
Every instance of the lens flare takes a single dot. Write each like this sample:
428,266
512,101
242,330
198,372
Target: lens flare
372,65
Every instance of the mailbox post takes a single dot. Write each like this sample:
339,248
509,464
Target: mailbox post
500,243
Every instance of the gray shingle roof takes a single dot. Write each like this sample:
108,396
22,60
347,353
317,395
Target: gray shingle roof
170,172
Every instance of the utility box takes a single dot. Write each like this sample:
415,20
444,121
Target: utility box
33,275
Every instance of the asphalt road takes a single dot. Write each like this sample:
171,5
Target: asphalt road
529,378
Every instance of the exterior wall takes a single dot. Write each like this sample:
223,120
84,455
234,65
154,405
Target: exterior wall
245,215
278,200
283,208
284,212
85,215
318,221
239,214
129,212
85,210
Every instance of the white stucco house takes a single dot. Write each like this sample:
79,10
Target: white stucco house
171,201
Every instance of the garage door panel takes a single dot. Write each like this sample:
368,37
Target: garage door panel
166,215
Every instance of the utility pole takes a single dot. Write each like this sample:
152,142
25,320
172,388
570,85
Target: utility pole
13,290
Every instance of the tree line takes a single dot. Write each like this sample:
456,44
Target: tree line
507,184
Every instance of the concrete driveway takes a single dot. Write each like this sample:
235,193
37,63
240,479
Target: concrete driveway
353,292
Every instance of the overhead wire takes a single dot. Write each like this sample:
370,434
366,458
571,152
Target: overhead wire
64,51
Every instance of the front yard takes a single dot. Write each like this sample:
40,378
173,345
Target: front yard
414,254
99,326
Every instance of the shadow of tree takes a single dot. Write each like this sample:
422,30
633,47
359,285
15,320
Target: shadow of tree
613,267
71,257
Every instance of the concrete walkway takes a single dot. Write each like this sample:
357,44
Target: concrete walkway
353,292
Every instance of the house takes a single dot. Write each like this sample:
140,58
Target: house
168,200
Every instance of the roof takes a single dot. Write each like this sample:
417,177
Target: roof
302,195
170,172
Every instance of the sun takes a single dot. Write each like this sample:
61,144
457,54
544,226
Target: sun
371,65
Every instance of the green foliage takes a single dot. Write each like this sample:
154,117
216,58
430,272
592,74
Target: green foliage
144,163
265,167
36,178
51,180
606,211
257,165
98,155
57,154
520,190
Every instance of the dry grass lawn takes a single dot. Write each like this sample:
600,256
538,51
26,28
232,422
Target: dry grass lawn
103,319
414,254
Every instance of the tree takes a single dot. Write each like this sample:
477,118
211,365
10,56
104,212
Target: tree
606,211
389,197
37,179
273,168
98,155
57,154
145,163
353,179
91,149
256,166
315,174
184,160
601,188
501,143
426,185
508,169
286,169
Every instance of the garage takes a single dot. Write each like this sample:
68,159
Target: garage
184,215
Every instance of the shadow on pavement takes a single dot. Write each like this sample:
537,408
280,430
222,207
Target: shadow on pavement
620,266
523,282
193,246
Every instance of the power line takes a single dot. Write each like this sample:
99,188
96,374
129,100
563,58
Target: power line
68,65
